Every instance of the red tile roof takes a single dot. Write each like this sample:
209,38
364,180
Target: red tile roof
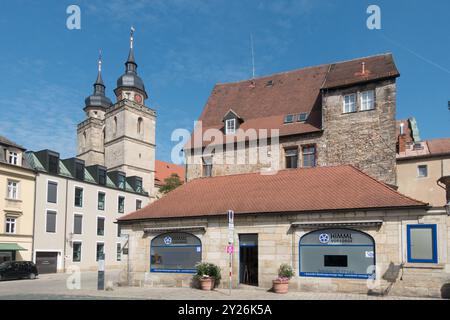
439,146
298,190
264,105
164,170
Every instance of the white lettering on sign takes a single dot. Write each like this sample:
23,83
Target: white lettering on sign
370,254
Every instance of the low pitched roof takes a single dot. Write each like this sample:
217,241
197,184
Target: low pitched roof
264,102
297,190
164,170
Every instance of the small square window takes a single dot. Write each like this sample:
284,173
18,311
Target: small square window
302,117
422,171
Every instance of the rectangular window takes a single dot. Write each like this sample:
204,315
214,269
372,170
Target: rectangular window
309,156
230,126
76,255
102,177
291,158
119,231
100,251
422,243
78,197
138,204
350,103
79,171
78,224
121,179
336,261
13,190
138,185
13,158
100,226
52,192
422,171
50,226
289,119
121,205
119,252
10,227
53,164
302,117
367,100
207,167
101,201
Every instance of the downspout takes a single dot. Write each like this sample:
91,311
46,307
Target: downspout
65,227
33,258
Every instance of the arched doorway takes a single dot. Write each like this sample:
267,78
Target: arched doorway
337,253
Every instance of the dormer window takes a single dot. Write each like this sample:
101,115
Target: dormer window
302,117
102,177
289,119
53,164
230,126
13,158
121,181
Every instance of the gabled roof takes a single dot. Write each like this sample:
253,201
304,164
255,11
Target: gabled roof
164,170
264,102
7,142
289,191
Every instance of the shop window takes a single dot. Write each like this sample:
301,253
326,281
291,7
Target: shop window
175,252
337,253
422,243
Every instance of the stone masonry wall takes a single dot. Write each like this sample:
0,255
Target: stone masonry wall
278,243
365,139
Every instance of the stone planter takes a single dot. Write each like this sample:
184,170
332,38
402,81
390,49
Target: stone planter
281,286
207,284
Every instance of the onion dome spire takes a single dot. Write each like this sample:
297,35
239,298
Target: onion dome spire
130,80
98,99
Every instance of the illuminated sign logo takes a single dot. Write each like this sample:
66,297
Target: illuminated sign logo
324,238
168,240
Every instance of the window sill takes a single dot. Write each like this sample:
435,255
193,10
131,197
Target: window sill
352,112
436,266
13,200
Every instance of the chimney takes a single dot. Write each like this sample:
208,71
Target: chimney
402,139
363,68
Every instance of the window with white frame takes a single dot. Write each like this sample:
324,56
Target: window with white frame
13,190
10,227
230,126
367,100
76,254
13,158
350,103
422,171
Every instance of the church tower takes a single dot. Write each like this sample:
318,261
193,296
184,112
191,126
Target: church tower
90,132
130,127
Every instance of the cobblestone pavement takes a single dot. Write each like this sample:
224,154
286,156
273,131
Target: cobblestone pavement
53,287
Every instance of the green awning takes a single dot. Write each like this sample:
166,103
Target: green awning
11,247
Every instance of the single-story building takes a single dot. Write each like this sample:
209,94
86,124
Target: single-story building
340,229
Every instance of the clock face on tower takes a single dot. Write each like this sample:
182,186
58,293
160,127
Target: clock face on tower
138,98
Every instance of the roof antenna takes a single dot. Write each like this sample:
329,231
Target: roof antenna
253,56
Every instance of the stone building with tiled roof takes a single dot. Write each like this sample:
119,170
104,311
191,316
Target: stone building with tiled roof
336,221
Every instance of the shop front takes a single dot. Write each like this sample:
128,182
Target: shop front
8,251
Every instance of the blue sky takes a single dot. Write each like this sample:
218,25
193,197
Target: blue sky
184,47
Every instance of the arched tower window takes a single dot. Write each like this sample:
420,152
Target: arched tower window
84,139
115,125
139,126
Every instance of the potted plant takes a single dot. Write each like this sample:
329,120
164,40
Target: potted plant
208,275
281,284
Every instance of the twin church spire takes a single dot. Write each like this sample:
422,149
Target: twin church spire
129,86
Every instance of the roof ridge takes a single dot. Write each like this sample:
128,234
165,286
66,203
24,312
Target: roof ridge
303,68
385,185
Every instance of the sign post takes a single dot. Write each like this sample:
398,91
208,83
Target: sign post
101,272
230,247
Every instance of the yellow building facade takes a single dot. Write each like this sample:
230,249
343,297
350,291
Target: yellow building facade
17,190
